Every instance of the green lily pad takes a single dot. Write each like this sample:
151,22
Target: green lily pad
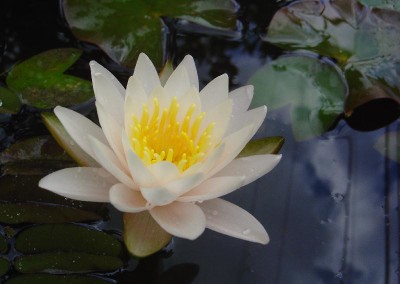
53,278
4,266
389,146
142,235
388,4
123,28
364,42
3,244
314,88
62,137
66,262
20,213
40,80
267,145
9,102
67,238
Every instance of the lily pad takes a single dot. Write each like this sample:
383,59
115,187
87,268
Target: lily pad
9,102
53,278
4,266
3,244
314,88
363,41
123,28
267,145
40,80
67,238
62,137
66,262
389,4
142,235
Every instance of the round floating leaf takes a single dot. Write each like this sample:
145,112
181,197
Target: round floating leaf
123,28
53,278
9,102
267,145
314,88
3,244
67,238
40,213
62,137
389,4
66,262
41,83
142,235
4,266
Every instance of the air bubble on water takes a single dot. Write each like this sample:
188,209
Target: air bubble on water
339,275
337,197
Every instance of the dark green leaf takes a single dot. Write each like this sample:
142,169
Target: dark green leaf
314,88
389,4
66,262
59,133
41,83
40,213
126,28
4,266
267,145
53,278
67,238
3,244
9,102
142,235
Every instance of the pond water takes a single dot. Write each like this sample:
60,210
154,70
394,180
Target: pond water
330,206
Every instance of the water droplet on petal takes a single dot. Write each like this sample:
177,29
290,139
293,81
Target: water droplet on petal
215,212
246,232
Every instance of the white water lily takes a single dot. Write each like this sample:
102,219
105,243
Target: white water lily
168,149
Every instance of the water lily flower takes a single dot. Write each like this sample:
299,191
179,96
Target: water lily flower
169,149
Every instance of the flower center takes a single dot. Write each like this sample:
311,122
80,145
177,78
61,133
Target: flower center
160,137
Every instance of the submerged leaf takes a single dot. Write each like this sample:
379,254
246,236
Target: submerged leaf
389,4
9,102
41,83
267,145
4,266
123,28
142,235
314,88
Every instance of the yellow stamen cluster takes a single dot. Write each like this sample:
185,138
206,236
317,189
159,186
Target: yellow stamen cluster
159,136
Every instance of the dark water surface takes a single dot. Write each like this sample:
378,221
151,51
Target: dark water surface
330,206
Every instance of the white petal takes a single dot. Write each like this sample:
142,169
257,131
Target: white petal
107,93
164,171
169,192
185,220
255,116
135,98
127,200
252,167
186,101
97,68
112,130
213,188
85,184
229,219
141,174
110,162
79,128
241,98
190,66
178,83
215,92
146,73
233,144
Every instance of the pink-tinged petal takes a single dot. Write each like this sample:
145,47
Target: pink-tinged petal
112,130
169,192
85,184
185,220
135,98
141,174
229,219
80,128
178,83
215,92
233,144
108,94
190,66
146,73
241,98
127,200
252,167
107,159
97,68
255,116
213,188
164,171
